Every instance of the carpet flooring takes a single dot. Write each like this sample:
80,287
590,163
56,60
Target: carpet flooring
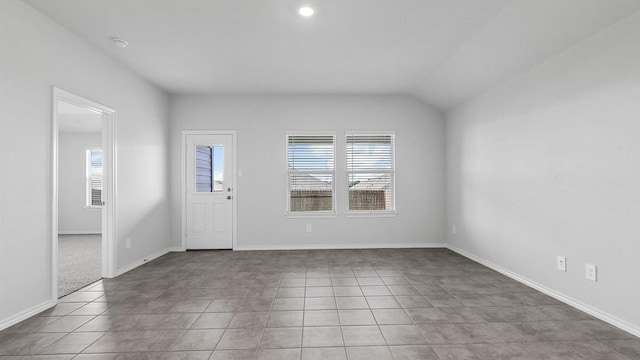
79,262
389,304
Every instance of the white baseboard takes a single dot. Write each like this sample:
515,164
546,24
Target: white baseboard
176,249
342,246
143,261
79,232
25,314
606,317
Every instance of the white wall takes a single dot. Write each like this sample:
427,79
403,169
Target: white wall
35,55
261,122
73,215
549,164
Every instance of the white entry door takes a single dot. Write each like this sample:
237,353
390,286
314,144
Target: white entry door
209,192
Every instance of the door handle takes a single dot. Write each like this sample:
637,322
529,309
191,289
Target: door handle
229,197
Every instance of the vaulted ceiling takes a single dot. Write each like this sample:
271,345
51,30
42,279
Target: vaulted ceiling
442,51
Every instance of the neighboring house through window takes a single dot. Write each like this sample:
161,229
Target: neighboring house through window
311,173
371,172
94,178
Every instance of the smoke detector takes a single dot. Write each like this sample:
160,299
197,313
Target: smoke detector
117,42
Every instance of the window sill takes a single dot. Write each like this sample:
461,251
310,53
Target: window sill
311,215
370,214
93,208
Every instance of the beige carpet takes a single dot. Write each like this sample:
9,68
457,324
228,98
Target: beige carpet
79,262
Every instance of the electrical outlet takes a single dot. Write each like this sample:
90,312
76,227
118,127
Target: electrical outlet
127,243
562,263
309,229
591,272
453,229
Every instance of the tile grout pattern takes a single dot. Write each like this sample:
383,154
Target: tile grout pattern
320,304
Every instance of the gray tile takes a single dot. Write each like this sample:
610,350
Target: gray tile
278,354
91,309
287,283
62,309
347,291
630,348
369,281
413,352
213,321
413,302
375,291
595,350
439,315
402,335
291,292
233,355
31,325
356,317
255,305
285,319
391,317
182,305
26,344
321,318
457,352
351,302
322,336
174,355
383,302
193,340
403,290
362,336
135,341
283,304
249,320
321,281
72,343
319,291
479,332
326,353
369,353
322,303
344,281
140,322
240,339
281,338
224,305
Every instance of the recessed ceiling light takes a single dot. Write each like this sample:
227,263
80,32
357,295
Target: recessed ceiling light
306,11
117,42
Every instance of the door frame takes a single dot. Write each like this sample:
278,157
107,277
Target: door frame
234,181
109,183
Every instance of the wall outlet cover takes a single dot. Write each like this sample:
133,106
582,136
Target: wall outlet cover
562,263
591,272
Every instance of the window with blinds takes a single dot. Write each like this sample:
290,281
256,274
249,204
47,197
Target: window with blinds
311,172
94,178
370,172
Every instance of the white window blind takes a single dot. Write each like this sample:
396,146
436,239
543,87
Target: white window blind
94,178
311,172
371,172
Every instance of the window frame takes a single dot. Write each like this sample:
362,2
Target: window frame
318,213
392,175
88,176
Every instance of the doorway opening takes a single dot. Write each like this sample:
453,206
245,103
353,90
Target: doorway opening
83,193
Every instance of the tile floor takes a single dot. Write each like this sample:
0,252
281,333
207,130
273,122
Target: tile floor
334,304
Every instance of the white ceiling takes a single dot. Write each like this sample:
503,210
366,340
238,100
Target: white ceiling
443,51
